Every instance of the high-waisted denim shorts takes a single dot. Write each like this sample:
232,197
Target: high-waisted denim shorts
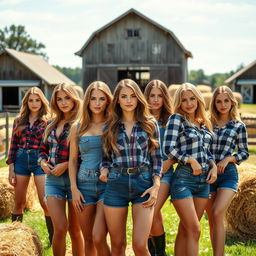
185,185
26,162
226,180
123,188
90,186
167,178
58,186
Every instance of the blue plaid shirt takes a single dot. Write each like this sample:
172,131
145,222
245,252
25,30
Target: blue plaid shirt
227,138
181,141
134,152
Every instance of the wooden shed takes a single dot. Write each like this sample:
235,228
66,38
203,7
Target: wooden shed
19,71
244,81
133,46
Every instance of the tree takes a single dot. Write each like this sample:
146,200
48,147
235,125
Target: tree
17,38
74,74
197,76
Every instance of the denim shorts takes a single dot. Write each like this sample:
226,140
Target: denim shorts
185,185
26,162
167,178
123,188
227,180
90,186
58,186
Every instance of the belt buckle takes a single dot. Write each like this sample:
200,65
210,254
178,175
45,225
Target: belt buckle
130,170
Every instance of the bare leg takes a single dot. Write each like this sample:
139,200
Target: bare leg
116,223
209,214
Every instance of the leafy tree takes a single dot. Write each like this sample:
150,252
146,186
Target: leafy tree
17,38
74,74
197,76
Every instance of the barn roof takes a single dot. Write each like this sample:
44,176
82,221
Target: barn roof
186,52
240,72
39,67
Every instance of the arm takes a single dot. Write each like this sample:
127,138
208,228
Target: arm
43,158
13,145
212,175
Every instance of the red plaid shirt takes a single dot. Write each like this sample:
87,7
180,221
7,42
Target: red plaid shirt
29,138
56,150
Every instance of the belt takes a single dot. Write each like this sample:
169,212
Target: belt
132,170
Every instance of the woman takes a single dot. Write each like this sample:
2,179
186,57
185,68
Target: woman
53,158
133,163
230,133
159,100
187,140
87,189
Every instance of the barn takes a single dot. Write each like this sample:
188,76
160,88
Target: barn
244,81
133,46
19,71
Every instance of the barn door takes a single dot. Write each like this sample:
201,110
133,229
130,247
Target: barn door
247,93
159,73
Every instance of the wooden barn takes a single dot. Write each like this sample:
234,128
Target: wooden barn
133,46
244,81
19,71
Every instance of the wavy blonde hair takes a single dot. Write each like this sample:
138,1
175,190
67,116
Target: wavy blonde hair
57,114
233,113
86,114
200,113
166,109
23,116
142,115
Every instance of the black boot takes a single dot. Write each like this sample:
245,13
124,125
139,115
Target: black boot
17,217
49,226
151,247
159,242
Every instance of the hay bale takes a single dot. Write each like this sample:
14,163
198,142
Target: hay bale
207,98
239,98
241,215
204,88
19,239
172,89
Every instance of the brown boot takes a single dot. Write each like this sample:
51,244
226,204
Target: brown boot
17,217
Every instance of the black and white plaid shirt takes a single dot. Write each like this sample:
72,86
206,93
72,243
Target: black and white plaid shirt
226,139
181,141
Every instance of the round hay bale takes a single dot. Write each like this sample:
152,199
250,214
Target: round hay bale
80,91
204,88
19,239
239,98
241,215
2,136
207,98
172,89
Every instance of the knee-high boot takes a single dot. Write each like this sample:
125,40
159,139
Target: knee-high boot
17,217
159,243
49,226
151,247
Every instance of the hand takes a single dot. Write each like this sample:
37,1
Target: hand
59,169
46,167
212,175
12,176
153,192
104,175
196,167
222,165
77,199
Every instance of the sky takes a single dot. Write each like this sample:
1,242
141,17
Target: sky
221,34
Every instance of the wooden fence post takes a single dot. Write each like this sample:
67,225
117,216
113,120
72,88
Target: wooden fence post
6,133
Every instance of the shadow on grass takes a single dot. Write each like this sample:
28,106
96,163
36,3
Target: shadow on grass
231,240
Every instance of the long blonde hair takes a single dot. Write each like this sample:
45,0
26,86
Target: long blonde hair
142,115
233,113
86,112
200,113
23,115
166,110
57,114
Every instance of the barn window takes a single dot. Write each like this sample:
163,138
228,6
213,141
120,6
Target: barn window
156,48
110,48
133,32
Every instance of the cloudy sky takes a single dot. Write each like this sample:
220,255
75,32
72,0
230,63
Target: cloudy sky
221,34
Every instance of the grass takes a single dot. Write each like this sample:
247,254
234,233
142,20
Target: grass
248,108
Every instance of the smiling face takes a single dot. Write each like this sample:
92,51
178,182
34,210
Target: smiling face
156,99
189,102
223,103
127,99
98,101
64,102
34,103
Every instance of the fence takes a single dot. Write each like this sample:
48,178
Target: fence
251,128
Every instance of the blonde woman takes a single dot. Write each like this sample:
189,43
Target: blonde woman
27,134
230,135
187,140
87,189
53,157
159,100
131,166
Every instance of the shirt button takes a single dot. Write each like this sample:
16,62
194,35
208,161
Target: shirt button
130,158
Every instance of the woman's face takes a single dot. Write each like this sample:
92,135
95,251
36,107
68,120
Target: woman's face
223,103
189,102
98,101
156,99
34,103
127,99
64,102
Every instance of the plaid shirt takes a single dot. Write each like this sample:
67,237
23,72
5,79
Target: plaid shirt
227,138
29,137
56,150
134,152
181,141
